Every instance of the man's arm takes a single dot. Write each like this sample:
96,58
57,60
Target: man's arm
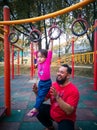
67,108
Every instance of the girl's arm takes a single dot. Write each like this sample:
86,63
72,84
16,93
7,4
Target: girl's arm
35,47
51,45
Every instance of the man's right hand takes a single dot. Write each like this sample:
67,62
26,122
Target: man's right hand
35,88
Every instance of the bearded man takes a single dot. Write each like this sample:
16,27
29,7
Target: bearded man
64,98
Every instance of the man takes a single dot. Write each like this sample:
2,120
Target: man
64,97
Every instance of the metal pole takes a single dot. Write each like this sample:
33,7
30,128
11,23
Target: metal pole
18,62
12,62
32,65
6,16
59,62
72,57
95,57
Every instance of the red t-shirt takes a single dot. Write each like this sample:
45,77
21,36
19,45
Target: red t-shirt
70,95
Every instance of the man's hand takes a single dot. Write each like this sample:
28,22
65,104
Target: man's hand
53,92
35,88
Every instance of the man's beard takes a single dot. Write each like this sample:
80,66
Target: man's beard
61,81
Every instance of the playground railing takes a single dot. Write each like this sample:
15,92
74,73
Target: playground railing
83,58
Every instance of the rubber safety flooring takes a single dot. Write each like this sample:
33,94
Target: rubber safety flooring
22,100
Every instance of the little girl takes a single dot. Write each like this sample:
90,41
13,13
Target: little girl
44,58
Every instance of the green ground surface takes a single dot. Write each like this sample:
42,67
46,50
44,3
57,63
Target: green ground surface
22,100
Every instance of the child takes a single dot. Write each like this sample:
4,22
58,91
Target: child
44,58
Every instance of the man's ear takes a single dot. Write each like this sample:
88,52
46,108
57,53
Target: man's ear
68,76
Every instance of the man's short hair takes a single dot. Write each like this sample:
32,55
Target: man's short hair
69,69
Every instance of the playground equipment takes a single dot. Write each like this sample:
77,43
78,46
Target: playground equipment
54,32
35,35
95,57
72,57
7,64
18,59
32,70
2,31
13,37
82,24
84,58
51,15
83,27
2,28
1,36
7,22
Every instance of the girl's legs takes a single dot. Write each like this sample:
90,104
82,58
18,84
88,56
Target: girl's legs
32,112
66,125
43,88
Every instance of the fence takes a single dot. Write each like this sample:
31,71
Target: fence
83,58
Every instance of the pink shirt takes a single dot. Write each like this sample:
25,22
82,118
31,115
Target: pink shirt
44,68
70,95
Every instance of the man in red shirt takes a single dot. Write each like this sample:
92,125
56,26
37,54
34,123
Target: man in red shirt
64,97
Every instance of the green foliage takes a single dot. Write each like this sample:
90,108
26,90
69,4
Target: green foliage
23,9
1,55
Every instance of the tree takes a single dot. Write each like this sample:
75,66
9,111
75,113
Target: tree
33,8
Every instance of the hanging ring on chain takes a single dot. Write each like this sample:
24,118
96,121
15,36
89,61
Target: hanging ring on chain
35,35
54,32
79,27
13,37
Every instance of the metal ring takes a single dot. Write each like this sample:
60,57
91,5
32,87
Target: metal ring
85,25
13,37
50,32
35,35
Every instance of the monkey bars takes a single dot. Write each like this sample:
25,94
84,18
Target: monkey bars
50,15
